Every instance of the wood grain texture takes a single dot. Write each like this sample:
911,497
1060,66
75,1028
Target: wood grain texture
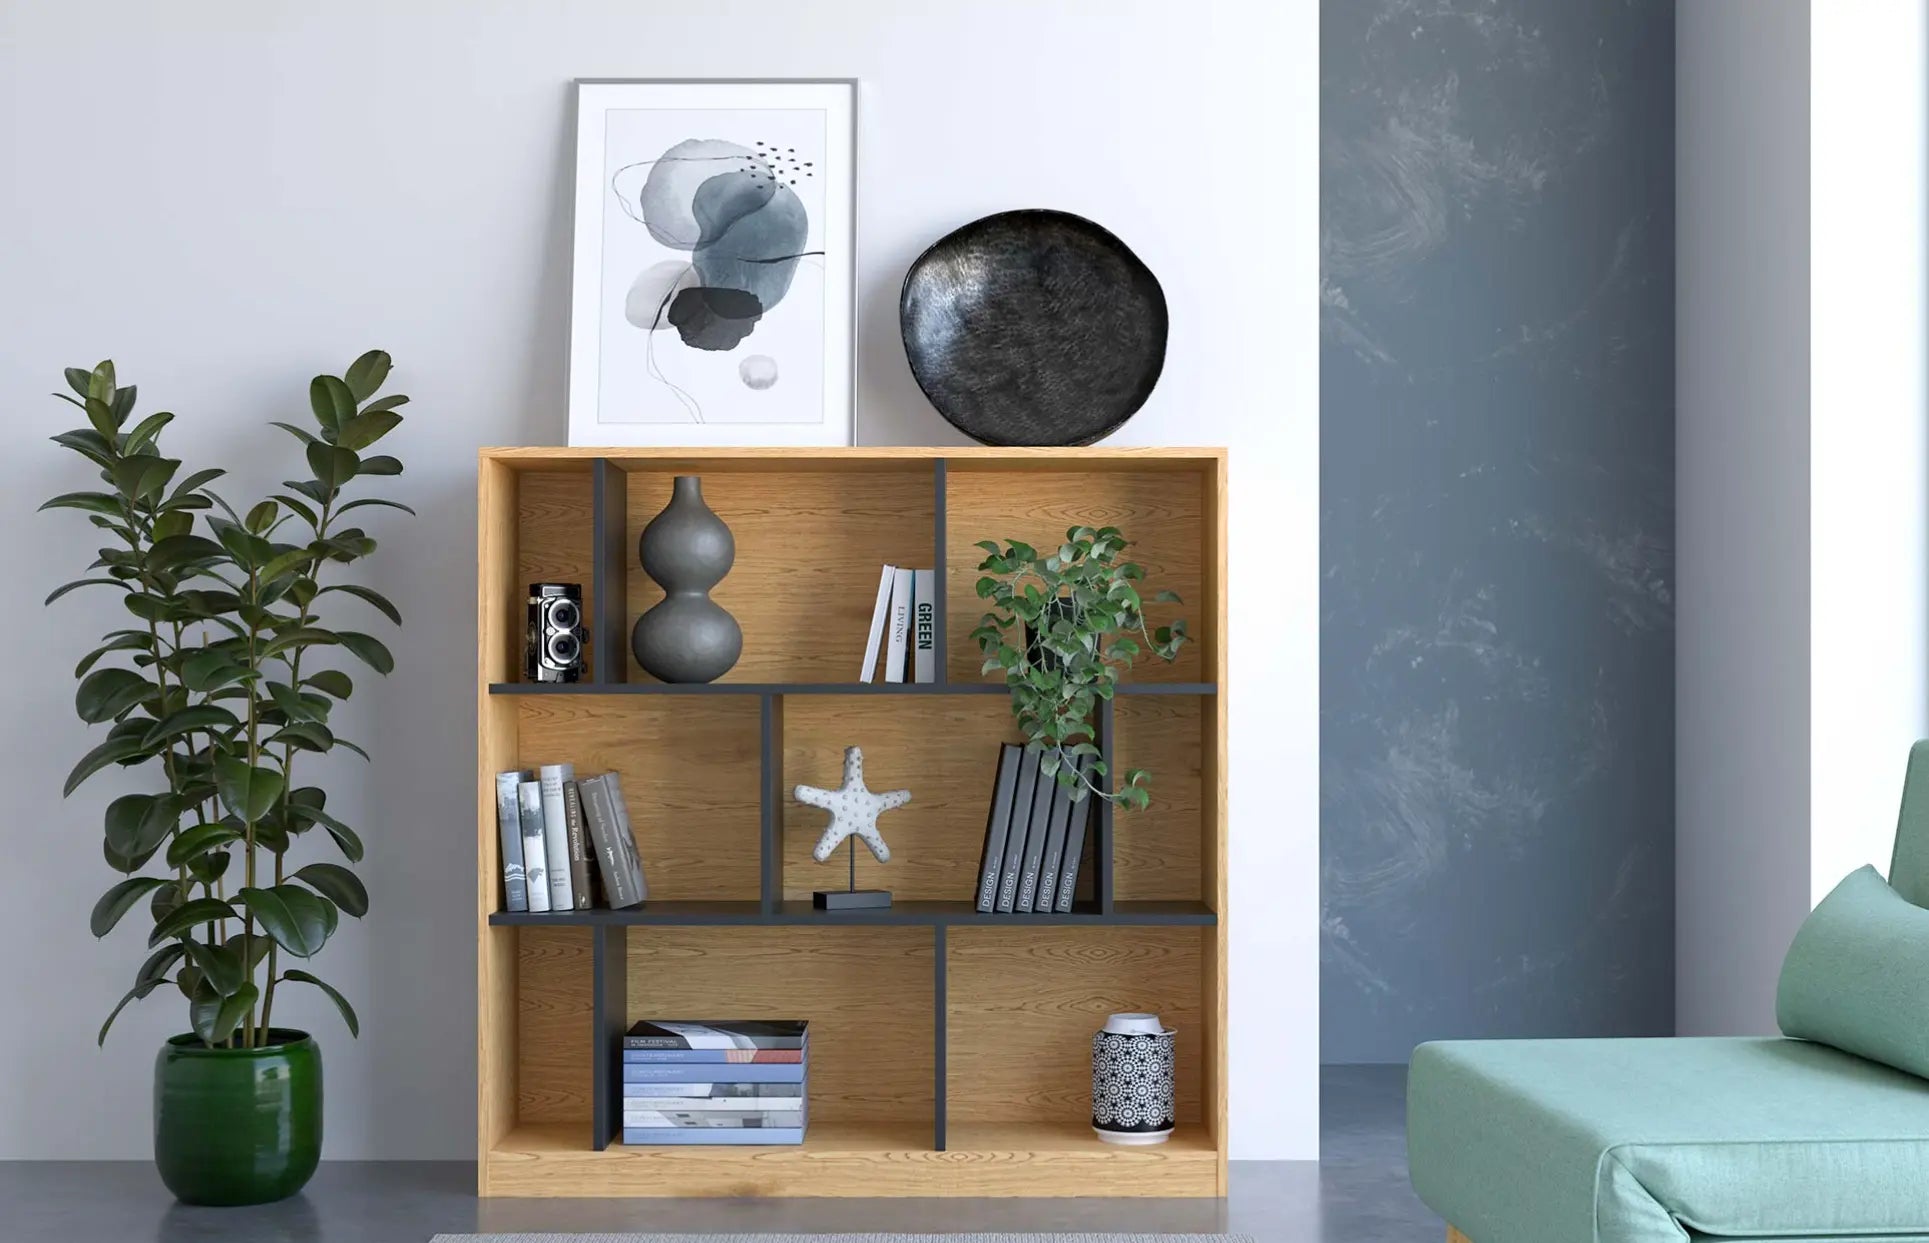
553,1026
809,548
944,750
865,991
555,543
689,769
1156,852
1024,1003
859,1159
495,745
1161,512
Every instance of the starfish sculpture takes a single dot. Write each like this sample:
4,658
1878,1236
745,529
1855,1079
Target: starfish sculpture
853,808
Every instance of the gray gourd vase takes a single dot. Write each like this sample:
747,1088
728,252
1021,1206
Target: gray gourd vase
687,550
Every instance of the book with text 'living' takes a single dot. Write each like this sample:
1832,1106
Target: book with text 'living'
898,645
879,615
712,1072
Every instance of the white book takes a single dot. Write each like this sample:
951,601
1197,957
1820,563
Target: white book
515,895
562,895
878,615
900,624
535,848
924,625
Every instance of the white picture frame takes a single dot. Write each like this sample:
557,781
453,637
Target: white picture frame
711,299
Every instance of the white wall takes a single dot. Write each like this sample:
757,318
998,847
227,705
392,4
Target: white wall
228,197
1869,478
1741,507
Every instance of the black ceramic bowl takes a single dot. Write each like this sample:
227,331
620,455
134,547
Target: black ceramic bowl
1033,328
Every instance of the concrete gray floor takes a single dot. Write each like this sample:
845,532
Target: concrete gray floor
1357,1194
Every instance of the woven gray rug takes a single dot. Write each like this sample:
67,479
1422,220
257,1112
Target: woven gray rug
842,1238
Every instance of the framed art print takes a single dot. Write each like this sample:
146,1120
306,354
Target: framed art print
711,295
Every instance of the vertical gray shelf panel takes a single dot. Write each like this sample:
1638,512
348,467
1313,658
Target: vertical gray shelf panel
940,1024
610,1018
942,663
1102,843
609,634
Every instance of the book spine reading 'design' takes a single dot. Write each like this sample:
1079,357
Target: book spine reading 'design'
578,847
899,647
1055,836
626,838
600,820
1075,833
515,895
924,625
562,895
1021,804
997,825
878,616
1035,833
535,851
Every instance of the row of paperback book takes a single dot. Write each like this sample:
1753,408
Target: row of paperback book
1036,836
566,844
904,627
716,1081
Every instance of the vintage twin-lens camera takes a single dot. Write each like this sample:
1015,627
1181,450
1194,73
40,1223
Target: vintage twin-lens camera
557,636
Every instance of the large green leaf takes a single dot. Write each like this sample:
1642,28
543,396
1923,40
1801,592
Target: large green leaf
107,693
152,975
178,551
345,837
332,401
306,437
245,791
194,483
200,716
305,735
371,596
119,900
144,431
365,375
261,517
297,919
373,653
373,500
88,443
341,1002
113,751
382,465
292,705
199,839
220,965
332,464
368,427
214,1017
184,917
136,824
282,563
207,671
92,502
338,885
331,681
78,583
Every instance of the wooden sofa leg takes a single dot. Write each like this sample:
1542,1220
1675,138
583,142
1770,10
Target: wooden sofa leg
1454,1236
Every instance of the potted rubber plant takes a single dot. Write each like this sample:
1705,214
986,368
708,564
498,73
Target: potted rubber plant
1062,626
213,697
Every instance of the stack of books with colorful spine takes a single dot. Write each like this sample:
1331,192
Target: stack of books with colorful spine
710,1081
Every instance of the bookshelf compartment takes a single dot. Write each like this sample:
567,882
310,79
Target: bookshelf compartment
690,770
553,1000
810,544
949,763
552,543
867,993
1161,511
1022,1005
1157,854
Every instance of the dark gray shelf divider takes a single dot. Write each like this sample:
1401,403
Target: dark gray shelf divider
610,1018
609,633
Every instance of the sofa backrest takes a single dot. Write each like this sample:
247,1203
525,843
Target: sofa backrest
1909,865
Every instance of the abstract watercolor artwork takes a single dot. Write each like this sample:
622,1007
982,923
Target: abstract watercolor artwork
711,302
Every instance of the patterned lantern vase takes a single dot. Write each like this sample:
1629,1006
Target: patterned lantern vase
1132,1080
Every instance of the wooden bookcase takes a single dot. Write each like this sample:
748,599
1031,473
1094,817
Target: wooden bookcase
949,1049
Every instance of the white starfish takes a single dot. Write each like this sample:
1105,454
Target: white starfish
853,809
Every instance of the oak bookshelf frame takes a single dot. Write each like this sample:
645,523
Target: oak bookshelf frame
937,1102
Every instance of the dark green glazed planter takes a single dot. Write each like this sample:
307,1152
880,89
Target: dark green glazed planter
238,1126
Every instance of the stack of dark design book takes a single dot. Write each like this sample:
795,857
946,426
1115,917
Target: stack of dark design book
1036,836
566,844
716,1081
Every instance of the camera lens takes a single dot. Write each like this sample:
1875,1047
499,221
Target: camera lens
564,648
564,615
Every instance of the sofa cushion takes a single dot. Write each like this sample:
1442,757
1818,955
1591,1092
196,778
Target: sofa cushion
1857,975
1660,1141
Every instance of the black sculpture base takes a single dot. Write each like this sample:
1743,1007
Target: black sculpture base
851,899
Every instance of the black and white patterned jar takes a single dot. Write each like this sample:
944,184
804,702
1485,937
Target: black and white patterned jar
1132,1093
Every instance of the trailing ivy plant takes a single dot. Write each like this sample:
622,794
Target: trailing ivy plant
1062,628
218,688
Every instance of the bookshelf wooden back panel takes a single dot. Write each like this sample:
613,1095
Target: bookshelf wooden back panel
553,1024
553,543
1157,852
1161,512
1024,1002
809,546
689,768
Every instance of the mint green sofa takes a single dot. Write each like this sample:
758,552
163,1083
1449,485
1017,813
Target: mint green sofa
1673,1140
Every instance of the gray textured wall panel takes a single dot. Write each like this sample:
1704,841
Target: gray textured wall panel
1497,479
